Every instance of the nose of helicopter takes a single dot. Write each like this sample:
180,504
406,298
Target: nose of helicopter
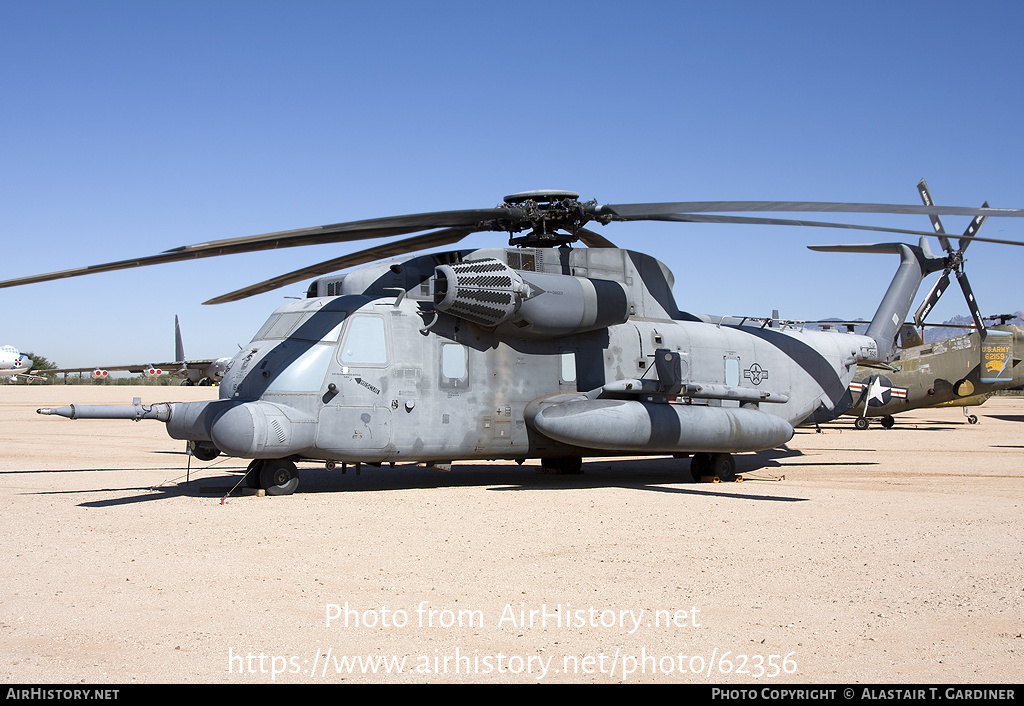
261,430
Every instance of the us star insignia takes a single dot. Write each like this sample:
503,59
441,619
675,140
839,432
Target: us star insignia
755,373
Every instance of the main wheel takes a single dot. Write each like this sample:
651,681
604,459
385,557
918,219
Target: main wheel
888,421
861,423
279,477
724,466
568,466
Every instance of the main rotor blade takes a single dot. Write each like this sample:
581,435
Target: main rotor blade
354,230
752,220
653,211
108,267
394,249
594,240
922,188
339,232
700,218
933,296
513,218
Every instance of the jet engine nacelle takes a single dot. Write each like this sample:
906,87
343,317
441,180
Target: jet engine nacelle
152,372
98,374
489,293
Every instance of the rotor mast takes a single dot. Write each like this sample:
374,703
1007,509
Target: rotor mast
546,213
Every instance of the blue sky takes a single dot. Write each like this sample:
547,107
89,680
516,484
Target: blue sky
132,127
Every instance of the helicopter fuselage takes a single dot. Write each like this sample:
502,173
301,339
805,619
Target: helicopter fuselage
375,372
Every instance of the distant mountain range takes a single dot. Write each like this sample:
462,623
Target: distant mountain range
938,333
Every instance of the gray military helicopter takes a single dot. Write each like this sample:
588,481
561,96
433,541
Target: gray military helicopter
537,350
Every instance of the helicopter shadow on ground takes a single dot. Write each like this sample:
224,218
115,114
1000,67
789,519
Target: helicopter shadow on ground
657,474
147,493
666,475
876,426
180,481
1006,417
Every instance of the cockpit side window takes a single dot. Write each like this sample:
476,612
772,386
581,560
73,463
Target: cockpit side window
365,342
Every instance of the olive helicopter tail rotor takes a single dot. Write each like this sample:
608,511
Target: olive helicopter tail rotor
954,264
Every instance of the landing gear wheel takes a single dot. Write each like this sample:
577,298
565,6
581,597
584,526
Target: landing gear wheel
279,477
569,466
252,474
724,466
700,465
888,421
972,419
861,423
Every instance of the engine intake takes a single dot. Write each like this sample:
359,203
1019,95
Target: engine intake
489,293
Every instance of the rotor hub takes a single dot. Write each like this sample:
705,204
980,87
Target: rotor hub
955,261
552,217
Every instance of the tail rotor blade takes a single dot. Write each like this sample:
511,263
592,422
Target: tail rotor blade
922,188
971,303
972,230
931,299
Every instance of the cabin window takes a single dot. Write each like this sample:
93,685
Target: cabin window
732,371
568,372
454,366
365,342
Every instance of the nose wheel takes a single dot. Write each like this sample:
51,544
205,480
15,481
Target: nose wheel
275,476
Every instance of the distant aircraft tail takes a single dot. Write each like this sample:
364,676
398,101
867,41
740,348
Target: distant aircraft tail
916,262
179,348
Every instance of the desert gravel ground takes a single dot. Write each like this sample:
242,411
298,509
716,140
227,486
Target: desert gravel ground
876,557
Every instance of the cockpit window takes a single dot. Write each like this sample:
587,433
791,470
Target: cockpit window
302,326
365,342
